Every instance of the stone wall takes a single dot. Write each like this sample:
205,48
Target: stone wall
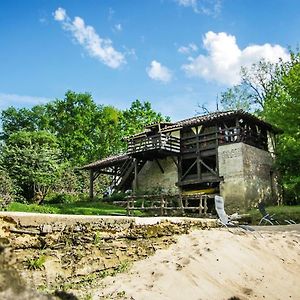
73,253
151,178
247,176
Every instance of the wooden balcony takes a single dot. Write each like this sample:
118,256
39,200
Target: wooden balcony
155,143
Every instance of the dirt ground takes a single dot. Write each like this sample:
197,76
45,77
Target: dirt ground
216,264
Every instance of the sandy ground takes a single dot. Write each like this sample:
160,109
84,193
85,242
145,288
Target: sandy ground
215,264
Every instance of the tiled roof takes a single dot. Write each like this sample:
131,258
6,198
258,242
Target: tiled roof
107,162
214,116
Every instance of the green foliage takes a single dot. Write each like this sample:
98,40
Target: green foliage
36,263
138,116
237,97
14,120
74,208
282,108
84,130
44,144
7,188
97,238
44,209
32,160
117,197
61,198
123,267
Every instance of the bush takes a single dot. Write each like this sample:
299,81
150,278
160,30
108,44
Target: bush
7,189
119,196
63,198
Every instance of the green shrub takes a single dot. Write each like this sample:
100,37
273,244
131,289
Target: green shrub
7,189
116,197
63,198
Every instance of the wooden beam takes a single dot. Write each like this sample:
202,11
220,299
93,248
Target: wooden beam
189,169
175,162
159,165
198,155
96,174
209,168
91,184
135,181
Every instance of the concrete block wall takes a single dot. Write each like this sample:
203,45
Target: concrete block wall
247,176
150,178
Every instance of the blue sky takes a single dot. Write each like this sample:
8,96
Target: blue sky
175,53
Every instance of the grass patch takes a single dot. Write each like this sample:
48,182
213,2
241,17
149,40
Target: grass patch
75,208
36,264
281,213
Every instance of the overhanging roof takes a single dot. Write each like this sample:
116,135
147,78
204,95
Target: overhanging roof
107,162
219,115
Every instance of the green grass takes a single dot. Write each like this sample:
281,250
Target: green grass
281,213
75,208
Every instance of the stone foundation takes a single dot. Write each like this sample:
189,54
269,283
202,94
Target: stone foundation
59,252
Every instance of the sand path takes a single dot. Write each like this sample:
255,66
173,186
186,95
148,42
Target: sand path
215,264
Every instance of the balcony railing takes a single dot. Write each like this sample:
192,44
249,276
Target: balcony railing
154,142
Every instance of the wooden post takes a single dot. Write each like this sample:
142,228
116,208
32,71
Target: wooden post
200,205
199,175
205,205
135,182
181,203
91,184
161,205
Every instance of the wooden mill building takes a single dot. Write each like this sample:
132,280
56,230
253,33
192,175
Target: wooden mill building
230,153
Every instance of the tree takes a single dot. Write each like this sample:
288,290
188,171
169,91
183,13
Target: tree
33,161
7,188
82,127
273,92
138,116
257,82
237,97
84,130
282,108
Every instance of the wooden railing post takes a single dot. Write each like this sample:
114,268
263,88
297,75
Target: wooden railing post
91,194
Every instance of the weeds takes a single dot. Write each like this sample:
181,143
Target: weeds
36,263
97,238
123,266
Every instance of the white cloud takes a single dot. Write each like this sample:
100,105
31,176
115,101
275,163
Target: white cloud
191,47
118,27
157,71
88,38
60,14
225,59
207,7
7,100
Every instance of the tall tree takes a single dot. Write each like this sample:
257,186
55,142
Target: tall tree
33,161
257,82
237,97
138,116
85,131
82,127
282,108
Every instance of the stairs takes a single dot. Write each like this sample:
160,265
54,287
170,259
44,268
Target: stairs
126,176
